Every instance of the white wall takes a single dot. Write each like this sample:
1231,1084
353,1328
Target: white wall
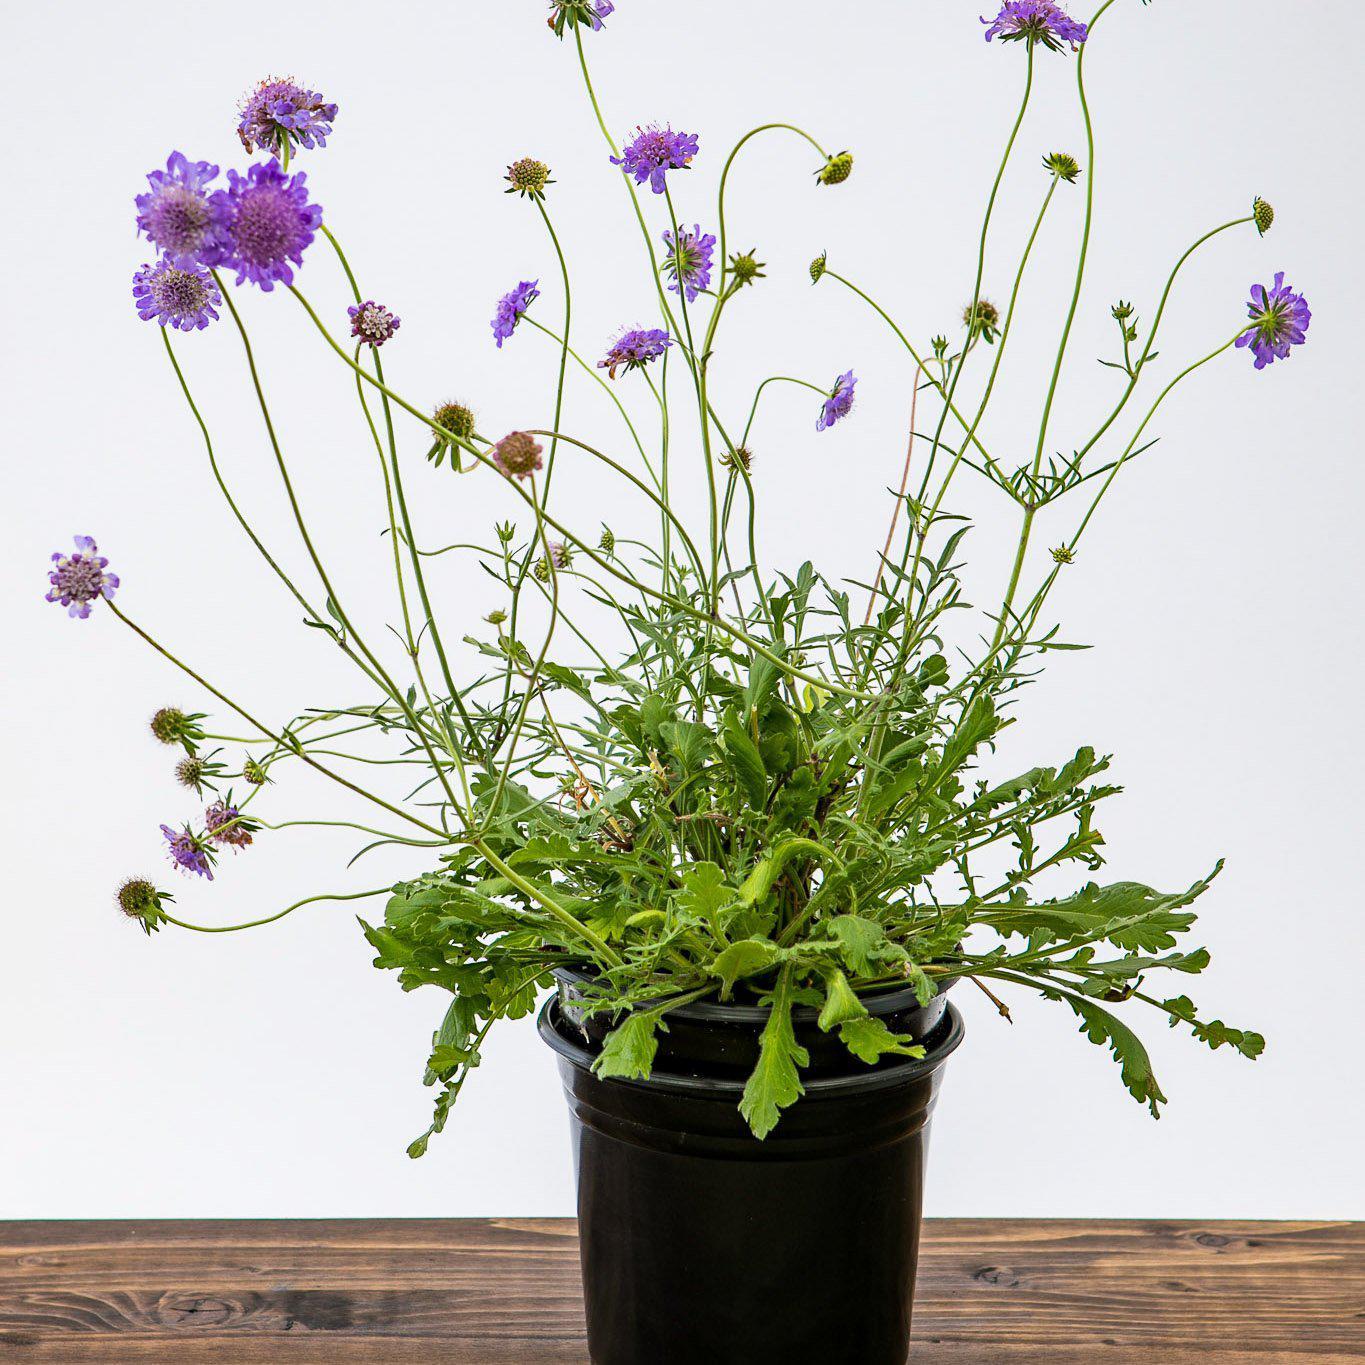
277,1073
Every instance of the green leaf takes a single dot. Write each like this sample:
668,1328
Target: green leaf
748,957
841,1003
869,1040
689,742
628,1050
746,764
704,893
864,943
775,1082
1135,1065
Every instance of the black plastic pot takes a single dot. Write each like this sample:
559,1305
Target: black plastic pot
702,1245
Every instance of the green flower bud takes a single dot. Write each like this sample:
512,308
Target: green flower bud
140,900
746,268
1063,554
1063,165
836,170
528,178
982,320
817,267
1262,214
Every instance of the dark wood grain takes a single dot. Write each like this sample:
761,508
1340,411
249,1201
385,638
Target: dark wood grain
506,1292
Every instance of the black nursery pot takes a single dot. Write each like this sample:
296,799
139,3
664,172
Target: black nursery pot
702,1245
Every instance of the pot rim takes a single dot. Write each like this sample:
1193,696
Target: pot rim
817,1088
889,1000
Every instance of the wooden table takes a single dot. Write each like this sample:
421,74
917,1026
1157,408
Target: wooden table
506,1292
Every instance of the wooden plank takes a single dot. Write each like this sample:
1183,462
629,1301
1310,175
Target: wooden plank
506,1291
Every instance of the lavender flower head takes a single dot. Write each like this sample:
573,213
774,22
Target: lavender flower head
510,308
839,403
372,322
689,261
225,825
79,579
279,113
1279,321
566,13
634,349
270,223
518,455
188,851
654,151
182,297
179,216
1036,21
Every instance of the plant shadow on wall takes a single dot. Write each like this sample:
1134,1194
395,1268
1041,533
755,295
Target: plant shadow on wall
773,791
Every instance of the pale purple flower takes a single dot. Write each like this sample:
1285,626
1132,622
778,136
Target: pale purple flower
510,308
270,223
689,260
182,297
81,578
654,151
188,851
1035,21
372,322
179,216
280,111
518,455
839,403
1279,321
225,825
634,349
591,12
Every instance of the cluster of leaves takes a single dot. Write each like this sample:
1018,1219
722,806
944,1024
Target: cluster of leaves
726,829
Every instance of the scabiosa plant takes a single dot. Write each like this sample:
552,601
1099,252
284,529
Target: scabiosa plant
689,261
836,169
280,114
456,418
226,826
572,13
518,455
528,178
818,267
140,900
1063,165
189,851
746,268
270,224
510,308
372,323
634,349
178,214
81,578
1263,215
1279,322
183,297
982,319
1035,21
655,151
839,402
254,772
171,725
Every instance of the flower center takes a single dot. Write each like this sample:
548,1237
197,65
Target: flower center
265,229
179,219
80,579
178,292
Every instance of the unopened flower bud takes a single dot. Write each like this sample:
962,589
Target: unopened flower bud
836,170
528,178
1263,215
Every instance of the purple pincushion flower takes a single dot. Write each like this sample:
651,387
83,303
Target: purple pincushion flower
175,296
1279,321
188,851
279,112
270,223
689,261
372,322
225,825
575,12
1036,21
654,151
634,349
79,579
839,403
510,308
179,215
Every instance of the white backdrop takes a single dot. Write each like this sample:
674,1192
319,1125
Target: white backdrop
277,1073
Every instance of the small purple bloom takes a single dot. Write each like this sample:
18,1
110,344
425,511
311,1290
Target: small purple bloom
839,403
689,261
510,308
634,349
188,851
279,111
653,152
225,824
179,215
184,298
270,222
1035,21
372,322
79,579
1279,321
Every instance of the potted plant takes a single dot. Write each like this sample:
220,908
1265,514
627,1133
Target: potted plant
743,819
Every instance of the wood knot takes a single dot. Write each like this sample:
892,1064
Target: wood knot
998,1275
197,1311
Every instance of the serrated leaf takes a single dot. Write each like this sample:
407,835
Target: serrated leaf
841,1002
1135,1065
775,1082
746,763
628,1050
869,1040
745,958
